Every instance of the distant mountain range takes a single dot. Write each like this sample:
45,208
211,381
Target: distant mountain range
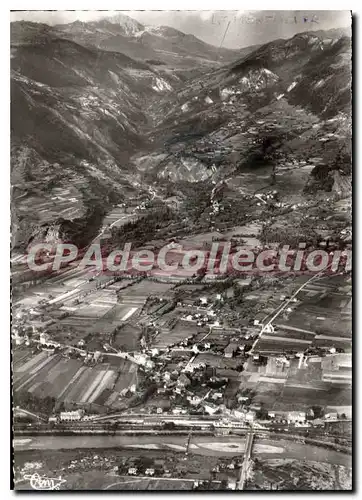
156,45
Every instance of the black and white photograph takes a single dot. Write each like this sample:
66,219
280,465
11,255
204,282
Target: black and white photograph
181,250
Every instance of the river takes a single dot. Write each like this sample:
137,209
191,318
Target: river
203,445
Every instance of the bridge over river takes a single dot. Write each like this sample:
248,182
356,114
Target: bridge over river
250,446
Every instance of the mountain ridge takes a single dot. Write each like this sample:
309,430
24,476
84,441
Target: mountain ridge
112,126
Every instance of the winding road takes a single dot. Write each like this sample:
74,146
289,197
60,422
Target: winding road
280,309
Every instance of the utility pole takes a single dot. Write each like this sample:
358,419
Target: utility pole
188,445
223,38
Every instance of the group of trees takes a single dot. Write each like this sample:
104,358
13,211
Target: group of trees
268,149
322,177
142,230
140,463
291,236
42,406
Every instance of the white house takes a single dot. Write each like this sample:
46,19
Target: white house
194,400
89,417
231,485
241,415
331,416
210,408
250,416
296,416
71,416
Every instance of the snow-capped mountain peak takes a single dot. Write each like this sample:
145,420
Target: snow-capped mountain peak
130,26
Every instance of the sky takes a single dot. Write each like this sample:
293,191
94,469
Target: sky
232,29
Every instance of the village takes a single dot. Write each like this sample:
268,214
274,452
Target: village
186,352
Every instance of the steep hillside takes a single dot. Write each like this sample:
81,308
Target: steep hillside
294,93
76,117
277,120
91,127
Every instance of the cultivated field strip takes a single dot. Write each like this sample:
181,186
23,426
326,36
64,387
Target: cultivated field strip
70,381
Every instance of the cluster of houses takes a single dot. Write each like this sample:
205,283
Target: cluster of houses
164,467
133,471
71,416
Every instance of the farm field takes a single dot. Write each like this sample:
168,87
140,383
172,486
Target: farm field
299,383
321,317
70,381
298,398
274,344
127,338
216,361
180,331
